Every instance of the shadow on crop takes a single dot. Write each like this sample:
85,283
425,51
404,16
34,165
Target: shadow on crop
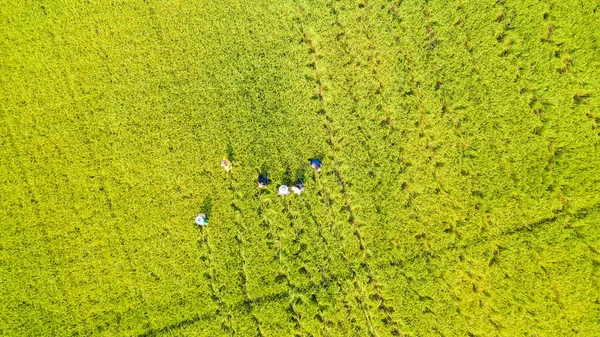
229,151
287,177
300,175
206,207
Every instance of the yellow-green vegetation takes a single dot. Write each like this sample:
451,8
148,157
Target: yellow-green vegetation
460,192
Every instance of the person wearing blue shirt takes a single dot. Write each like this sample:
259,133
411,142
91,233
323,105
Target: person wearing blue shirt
316,164
263,181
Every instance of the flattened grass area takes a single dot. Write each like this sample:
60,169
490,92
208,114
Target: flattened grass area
460,194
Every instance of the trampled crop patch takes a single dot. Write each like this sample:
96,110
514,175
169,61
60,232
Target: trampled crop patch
460,192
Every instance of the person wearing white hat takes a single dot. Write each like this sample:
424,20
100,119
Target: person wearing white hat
283,190
299,187
202,219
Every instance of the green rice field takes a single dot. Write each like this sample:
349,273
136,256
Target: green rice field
459,195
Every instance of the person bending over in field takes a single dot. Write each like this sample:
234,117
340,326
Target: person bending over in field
283,190
226,164
316,164
202,219
263,182
298,188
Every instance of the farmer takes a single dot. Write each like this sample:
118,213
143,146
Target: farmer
298,188
202,219
263,182
316,164
283,190
226,164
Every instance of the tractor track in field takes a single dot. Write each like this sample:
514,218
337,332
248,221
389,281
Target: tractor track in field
292,289
324,280
344,189
320,95
431,41
381,106
214,293
247,304
415,90
298,290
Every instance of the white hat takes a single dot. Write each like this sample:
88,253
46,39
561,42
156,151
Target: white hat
201,219
283,190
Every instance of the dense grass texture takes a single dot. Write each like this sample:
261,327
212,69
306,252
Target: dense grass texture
460,193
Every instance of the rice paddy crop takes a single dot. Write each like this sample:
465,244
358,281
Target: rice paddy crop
459,194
